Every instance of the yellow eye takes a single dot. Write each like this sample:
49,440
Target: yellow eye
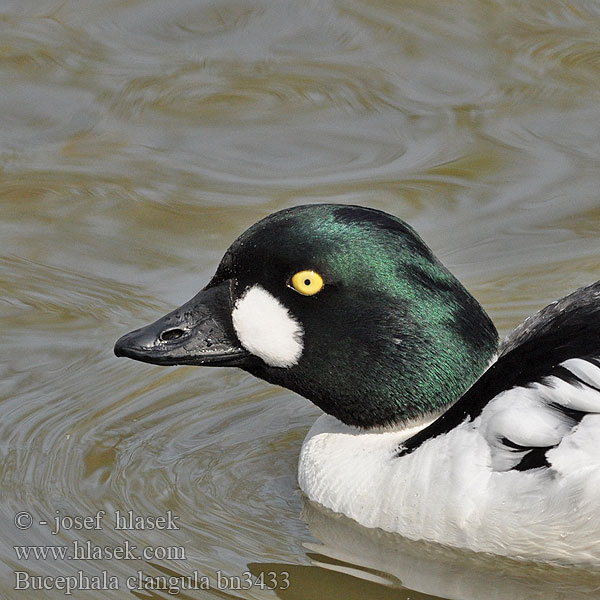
307,283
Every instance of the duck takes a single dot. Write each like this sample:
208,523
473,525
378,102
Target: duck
432,428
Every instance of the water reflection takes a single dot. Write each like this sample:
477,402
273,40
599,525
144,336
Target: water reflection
434,570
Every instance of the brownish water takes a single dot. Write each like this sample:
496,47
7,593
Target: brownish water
139,138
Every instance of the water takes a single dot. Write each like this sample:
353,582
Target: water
139,138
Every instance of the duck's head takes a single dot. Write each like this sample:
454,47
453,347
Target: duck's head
344,305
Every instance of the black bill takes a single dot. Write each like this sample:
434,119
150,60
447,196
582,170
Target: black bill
198,333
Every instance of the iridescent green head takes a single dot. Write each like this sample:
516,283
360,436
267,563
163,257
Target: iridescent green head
345,305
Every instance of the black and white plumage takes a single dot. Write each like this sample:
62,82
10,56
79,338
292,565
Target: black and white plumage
544,382
420,438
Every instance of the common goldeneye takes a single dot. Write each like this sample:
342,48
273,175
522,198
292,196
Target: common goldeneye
432,430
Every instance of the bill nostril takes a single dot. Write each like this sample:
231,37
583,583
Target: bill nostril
170,335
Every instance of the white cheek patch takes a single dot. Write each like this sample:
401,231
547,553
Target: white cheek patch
267,329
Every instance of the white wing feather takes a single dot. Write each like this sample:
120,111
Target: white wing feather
543,415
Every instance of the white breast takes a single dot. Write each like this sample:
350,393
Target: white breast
447,491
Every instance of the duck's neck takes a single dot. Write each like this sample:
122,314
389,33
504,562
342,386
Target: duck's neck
407,367
399,432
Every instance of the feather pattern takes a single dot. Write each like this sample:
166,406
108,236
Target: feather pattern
522,424
535,356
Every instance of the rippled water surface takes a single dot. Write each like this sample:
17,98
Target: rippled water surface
138,138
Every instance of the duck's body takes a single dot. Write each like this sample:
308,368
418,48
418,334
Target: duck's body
348,307
513,468
447,492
